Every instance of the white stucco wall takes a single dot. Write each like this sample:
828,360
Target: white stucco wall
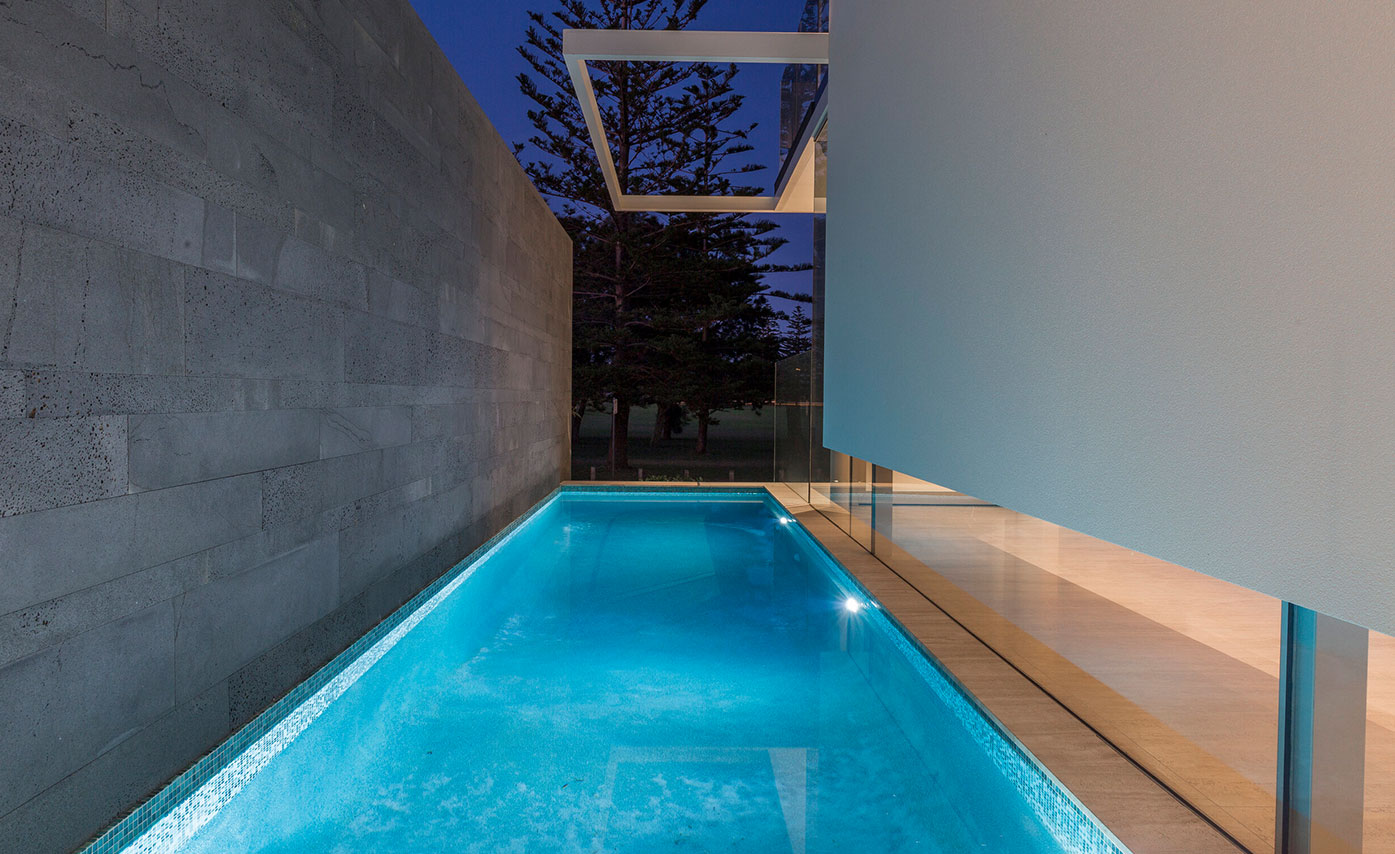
1128,266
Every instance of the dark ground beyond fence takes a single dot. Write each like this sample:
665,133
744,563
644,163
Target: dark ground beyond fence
741,443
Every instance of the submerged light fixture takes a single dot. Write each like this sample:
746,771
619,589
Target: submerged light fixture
851,605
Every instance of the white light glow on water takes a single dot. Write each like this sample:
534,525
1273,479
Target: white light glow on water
851,605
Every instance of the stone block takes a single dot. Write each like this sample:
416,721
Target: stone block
309,270
34,628
54,462
272,168
52,553
11,239
371,140
296,492
373,548
270,675
219,239
72,394
49,298
236,556
101,73
258,248
391,591
456,361
442,515
382,544
12,395
223,46
74,701
463,458
358,511
406,463
393,298
52,183
183,520
310,394
132,19
64,816
237,328
430,422
164,149
169,450
225,624
351,431
377,350
381,27
388,94
86,304
94,11
306,21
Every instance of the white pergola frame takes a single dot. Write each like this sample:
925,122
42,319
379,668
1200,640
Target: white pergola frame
794,186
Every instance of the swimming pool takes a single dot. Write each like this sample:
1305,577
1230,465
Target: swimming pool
626,671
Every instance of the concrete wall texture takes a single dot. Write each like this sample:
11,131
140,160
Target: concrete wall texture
1126,266
284,332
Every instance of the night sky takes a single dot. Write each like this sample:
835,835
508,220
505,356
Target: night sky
480,37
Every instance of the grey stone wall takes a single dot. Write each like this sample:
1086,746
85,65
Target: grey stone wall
284,332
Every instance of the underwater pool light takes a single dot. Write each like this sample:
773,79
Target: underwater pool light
851,605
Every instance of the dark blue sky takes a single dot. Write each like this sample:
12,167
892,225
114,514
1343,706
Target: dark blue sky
481,37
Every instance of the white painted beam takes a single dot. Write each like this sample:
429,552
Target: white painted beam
696,46
794,193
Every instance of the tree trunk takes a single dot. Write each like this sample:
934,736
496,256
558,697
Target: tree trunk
620,437
703,417
577,412
660,423
620,420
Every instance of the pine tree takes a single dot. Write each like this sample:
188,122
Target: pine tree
653,295
615,274
799,336
727,356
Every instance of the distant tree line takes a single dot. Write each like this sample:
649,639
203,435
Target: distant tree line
668,310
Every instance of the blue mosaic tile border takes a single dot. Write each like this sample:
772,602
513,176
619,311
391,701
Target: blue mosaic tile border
1071,824
181,807
642,487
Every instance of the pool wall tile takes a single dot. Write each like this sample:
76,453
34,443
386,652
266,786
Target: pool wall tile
243,246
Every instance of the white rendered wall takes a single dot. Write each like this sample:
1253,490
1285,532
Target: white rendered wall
1128,266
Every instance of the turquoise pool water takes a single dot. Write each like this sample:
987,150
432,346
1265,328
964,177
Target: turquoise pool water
626,672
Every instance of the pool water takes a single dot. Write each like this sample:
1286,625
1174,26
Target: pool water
631,672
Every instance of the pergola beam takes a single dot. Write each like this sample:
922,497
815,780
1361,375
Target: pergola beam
795,177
